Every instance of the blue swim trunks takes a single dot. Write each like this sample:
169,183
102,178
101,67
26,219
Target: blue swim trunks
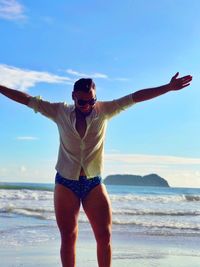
80,187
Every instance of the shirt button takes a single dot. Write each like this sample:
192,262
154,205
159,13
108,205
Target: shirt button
81,145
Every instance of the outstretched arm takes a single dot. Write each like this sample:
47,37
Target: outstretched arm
174,85
15,95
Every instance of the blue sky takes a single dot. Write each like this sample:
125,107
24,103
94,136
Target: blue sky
124,46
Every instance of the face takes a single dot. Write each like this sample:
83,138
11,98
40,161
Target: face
84,102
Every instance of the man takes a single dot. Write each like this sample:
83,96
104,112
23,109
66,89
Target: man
78,180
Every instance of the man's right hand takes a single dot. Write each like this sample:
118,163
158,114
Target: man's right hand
15,95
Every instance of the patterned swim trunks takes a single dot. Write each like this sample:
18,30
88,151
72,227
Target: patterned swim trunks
80,187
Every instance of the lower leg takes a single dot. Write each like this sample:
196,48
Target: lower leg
67,252
104,255
68,256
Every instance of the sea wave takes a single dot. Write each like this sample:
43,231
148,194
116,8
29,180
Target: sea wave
29,186
192,197
27,194
44,212
40,213
155,198
35,191
158,224
138,209
156,212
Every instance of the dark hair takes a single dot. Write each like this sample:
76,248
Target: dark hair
84,85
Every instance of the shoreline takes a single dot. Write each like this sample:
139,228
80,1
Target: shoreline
140,251
151,228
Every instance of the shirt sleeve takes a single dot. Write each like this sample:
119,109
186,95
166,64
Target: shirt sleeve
46,108
114,107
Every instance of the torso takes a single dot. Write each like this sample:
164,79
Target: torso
81,127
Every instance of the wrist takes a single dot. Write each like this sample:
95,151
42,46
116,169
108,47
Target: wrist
169,87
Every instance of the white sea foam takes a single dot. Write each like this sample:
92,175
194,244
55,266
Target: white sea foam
156,212
25,195
147,209
159,224
155,198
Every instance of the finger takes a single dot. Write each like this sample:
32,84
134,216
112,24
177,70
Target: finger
183,80
175,76
189,77
185,85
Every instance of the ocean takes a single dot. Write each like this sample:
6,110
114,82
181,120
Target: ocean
27,212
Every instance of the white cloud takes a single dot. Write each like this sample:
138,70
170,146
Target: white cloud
22,169
122,79
152,159
28,172
95,75
184,172
11,10
3,171
178,171
26,138
91,75
23,79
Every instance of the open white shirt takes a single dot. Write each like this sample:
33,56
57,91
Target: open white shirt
76,152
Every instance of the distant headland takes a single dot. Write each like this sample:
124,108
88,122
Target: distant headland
136,180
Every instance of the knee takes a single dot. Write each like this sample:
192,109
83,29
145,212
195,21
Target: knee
69,236
103,237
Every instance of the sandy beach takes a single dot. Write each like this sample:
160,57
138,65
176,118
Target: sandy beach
152,227
137,251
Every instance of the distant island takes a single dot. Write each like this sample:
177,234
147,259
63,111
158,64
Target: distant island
136,180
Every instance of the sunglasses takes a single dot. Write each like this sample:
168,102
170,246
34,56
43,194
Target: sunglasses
91,102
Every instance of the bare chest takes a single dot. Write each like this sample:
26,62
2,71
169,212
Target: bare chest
81,125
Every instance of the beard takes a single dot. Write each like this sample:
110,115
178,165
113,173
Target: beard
83,111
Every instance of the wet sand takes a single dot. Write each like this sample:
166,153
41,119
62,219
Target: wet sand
128,251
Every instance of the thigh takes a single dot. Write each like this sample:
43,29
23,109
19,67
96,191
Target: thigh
97,207
67,206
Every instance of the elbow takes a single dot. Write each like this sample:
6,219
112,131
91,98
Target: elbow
25,100
135,98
